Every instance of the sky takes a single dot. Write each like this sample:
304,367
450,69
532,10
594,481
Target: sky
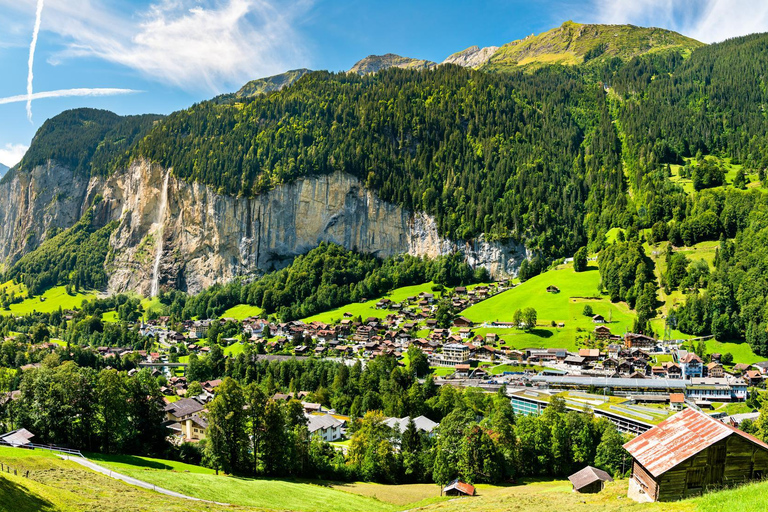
158,56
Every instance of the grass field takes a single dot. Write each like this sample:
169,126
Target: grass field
576,290
408,495
554,496
234,350
260,493
368,308
48,302
242,311
58,485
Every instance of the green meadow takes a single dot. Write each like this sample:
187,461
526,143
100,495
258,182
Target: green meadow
368,308
577,289
49,302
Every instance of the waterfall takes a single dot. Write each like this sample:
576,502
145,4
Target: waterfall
155,289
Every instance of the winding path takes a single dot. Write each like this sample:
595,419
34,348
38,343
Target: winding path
133,481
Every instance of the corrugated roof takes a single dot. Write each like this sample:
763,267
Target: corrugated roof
678,438
605,382
587,476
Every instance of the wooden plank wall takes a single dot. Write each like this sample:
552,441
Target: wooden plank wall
743,461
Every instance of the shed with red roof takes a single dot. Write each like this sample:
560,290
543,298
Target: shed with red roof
689,453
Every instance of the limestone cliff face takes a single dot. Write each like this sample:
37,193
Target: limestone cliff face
197,237
31,204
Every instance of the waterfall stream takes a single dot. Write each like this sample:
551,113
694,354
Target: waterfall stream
155,289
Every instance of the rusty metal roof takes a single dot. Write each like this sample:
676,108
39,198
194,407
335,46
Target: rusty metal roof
679,438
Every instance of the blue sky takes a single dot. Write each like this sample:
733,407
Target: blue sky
163,55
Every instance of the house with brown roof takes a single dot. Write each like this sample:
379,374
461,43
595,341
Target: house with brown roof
689,453
714,370
459,488
589,480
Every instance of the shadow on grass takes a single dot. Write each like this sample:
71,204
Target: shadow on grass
17,498
128,459
541,333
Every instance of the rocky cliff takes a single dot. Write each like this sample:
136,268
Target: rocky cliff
199,237
36,205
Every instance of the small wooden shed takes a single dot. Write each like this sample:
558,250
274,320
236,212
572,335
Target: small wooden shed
459,488
589,480
689,453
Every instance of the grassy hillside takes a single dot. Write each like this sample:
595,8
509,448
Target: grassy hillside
242,311
260,493
368,308
574,43
576,290
58,485
48,302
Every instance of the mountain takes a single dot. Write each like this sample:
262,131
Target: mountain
375,63
472,57
271,83
575,43
3,170
502,167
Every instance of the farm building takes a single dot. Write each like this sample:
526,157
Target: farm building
589,480
689,453
459,488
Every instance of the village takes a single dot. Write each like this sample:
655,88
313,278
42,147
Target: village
634,380
637,382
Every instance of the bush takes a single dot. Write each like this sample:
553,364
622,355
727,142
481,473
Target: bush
587,310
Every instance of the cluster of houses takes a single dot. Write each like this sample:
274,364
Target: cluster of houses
186,417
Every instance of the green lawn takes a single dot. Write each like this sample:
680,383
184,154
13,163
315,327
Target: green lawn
233,350
441,371
576,290
109,316
50,301
56,485
242,311
132,462
263,493
368,308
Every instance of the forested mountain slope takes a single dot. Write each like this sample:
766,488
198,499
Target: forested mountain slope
551,157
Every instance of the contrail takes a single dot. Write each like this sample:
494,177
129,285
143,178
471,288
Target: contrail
30,75
64,93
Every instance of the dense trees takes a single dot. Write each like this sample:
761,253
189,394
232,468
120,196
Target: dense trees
87,141
68,405
500,154
326,277
74,257
580,260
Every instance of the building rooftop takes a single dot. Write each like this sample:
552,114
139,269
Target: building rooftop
679,438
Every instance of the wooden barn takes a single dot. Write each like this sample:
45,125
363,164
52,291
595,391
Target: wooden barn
589,480
459,488
689,453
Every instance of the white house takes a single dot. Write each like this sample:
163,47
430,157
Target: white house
325,426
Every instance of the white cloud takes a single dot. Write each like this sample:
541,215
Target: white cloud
65,93
194,44
706,20
11,154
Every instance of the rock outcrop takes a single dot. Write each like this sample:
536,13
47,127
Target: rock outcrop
472,57
208,237
375,63
36,205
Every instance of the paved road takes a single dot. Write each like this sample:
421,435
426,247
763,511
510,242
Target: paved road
133,481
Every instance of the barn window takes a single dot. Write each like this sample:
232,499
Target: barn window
695,478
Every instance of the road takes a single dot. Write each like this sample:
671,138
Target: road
133,481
